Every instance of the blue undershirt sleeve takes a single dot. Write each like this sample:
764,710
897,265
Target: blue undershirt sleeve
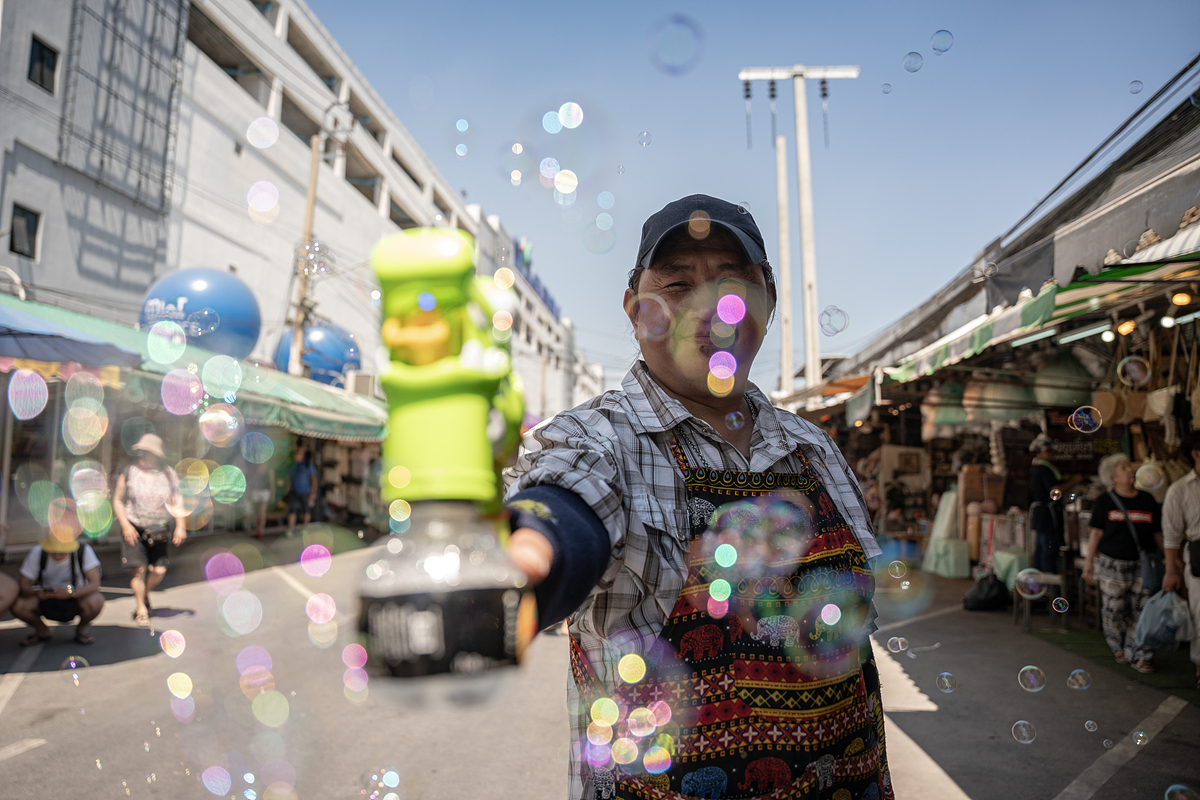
581,547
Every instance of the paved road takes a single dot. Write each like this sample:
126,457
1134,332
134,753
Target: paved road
942,746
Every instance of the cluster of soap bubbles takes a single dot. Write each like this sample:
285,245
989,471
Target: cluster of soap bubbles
833,321
569,115
620,733
940,42
1085,419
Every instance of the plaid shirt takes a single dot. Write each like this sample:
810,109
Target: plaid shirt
612,451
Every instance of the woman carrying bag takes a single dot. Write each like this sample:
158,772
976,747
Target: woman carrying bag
147,503
1125,523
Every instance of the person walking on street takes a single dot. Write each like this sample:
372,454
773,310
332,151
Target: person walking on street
59,581
148,505
617,506
302,489
1046,487
1181,540
1125,521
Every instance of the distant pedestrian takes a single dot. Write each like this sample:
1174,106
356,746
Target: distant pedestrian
149,506
1125,521
1046,487
1181,540
302,489
262,489
59,581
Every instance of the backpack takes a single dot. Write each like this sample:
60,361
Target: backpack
988,594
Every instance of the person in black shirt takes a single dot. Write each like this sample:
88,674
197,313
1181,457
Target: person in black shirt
1046,486
1113,557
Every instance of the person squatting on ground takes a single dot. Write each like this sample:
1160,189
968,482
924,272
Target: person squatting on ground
617,506
1181,540
148,505
1125,521
1046,488
9,591
59,581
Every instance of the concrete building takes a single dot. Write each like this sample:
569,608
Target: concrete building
142,137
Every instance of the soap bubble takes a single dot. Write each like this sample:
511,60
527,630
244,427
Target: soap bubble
722,364
549,168
551,123
1029,584
897,569
460,150
462,125
172,643
941,42
1135,87
27,394
74,670
644,138
1024,732
946,682
179,684
886,88
606,200
631,668
989,269
262,132
904,585
1031,678
1178,791
606,711
731,309
1090,726
734,420
912,62
720,590
1056,494
1086,419
315,560
201,322
1133,371
570,115
262,196
257,448
831,614
1108,744
216,780
604,221
566,181
725,555
165,342
657,760
743,207
1060,605
675,45
833,321
897,644
1139,738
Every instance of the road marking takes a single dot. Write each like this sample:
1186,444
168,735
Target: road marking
914,772
1095,776
899,691
16,748
304,591
902,622
10,682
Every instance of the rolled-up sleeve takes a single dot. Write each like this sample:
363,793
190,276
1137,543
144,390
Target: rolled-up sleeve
575,451
1174,525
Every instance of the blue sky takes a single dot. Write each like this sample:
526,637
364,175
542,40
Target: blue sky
914,182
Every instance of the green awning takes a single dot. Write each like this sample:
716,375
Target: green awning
267,397
976,336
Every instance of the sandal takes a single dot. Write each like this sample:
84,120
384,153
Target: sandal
1120,657
33,639
1144,667
83,637
143,619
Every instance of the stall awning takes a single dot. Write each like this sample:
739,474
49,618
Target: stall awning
272,398
976,336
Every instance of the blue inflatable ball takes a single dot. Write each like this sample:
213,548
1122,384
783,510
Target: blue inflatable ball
216,309
328,352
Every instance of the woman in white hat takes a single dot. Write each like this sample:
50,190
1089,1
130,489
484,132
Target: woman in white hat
148,505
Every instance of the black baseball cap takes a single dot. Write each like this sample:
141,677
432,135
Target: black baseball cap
696,208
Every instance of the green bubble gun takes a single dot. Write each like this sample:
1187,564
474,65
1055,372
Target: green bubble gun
445,599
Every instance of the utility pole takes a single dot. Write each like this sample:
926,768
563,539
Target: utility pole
295,354
785,268
808,251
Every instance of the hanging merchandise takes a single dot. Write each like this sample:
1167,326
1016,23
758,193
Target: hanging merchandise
1063,382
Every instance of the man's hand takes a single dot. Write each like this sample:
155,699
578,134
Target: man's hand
180,535
1172,580
532,553
130,534
60,593
1087,572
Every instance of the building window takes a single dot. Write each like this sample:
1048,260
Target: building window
42,61
22,238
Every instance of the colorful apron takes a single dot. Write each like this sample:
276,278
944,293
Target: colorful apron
773,691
